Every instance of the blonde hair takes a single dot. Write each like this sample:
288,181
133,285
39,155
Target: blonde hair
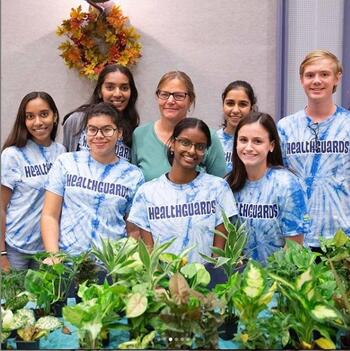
184,78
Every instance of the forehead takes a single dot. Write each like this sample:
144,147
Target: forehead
173,84
253,130
37,104
116,78
320,64
237,94
100,120
193,134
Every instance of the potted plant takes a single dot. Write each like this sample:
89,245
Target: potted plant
230,259
306,297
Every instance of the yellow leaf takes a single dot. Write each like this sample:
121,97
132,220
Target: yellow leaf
244,337
325,344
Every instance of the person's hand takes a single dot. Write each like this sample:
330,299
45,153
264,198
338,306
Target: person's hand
4,263
52,260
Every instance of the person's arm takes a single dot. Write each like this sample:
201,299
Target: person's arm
297,238
219,241
147,238
6,194
133,230
50,218
71,128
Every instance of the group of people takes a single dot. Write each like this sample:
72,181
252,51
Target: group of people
174,177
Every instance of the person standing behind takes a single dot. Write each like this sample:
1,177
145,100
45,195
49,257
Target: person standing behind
89,193
238,100
316,146
26,158
270,198
175,95
184,203
115,84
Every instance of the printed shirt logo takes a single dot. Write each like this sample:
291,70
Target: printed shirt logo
318,147
37,170
182,210
267,211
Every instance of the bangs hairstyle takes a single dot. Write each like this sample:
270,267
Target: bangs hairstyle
238,176
180,76
187,123
102,108
316,55
19,134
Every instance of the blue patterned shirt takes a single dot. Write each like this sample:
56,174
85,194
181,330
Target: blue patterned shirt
227,144
273,208
96,199
24,170
319,154
190,212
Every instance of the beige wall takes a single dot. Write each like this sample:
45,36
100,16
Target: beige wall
215,42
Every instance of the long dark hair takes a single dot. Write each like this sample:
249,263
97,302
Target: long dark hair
238,176
187,123
130,117
19,134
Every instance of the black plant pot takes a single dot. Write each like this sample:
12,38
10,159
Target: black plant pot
106,341
229,328
27,345
4,345
39,312
345,342
56,308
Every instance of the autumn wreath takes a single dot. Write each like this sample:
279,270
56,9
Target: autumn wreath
98,38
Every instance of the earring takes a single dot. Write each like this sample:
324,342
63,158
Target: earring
171,153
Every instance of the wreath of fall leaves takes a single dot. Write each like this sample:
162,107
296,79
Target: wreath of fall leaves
97,39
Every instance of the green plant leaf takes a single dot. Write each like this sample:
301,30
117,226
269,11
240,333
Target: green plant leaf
144,255
136,305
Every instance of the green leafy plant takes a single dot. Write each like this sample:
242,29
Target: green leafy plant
98,312
307,298
12,284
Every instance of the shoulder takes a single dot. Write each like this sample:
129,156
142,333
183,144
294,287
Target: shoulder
212,181
291,119
342,114
74,119
151,186
59,147
129,168
11,151
282,177
144,128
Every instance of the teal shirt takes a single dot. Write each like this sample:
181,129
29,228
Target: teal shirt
149,153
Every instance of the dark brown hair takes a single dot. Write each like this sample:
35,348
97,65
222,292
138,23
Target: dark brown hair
19,134
238,176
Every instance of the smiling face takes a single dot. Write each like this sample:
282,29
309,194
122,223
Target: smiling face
39,120
170,109
318,80
253,147
116,90
102,148
189,148
236,106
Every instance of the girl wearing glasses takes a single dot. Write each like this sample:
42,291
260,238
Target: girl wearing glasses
269,197
27,156
238,100
184,203
115,85
89,193
175,95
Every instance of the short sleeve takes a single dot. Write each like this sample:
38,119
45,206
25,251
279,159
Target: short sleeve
10,169
140,181
56,178
227,203
138,211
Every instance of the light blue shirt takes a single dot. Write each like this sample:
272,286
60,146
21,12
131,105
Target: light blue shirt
226,140
24,170
96,199
323,165
190,212
273,208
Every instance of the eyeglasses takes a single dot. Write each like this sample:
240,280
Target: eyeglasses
164,95
105,131
187,144
315,128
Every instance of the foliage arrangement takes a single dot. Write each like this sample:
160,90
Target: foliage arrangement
96,39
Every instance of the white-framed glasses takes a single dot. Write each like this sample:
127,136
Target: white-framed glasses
107,131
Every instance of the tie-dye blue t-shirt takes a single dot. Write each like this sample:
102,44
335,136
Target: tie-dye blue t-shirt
96,198
273,208
190,212
24,170
319,154
227,144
